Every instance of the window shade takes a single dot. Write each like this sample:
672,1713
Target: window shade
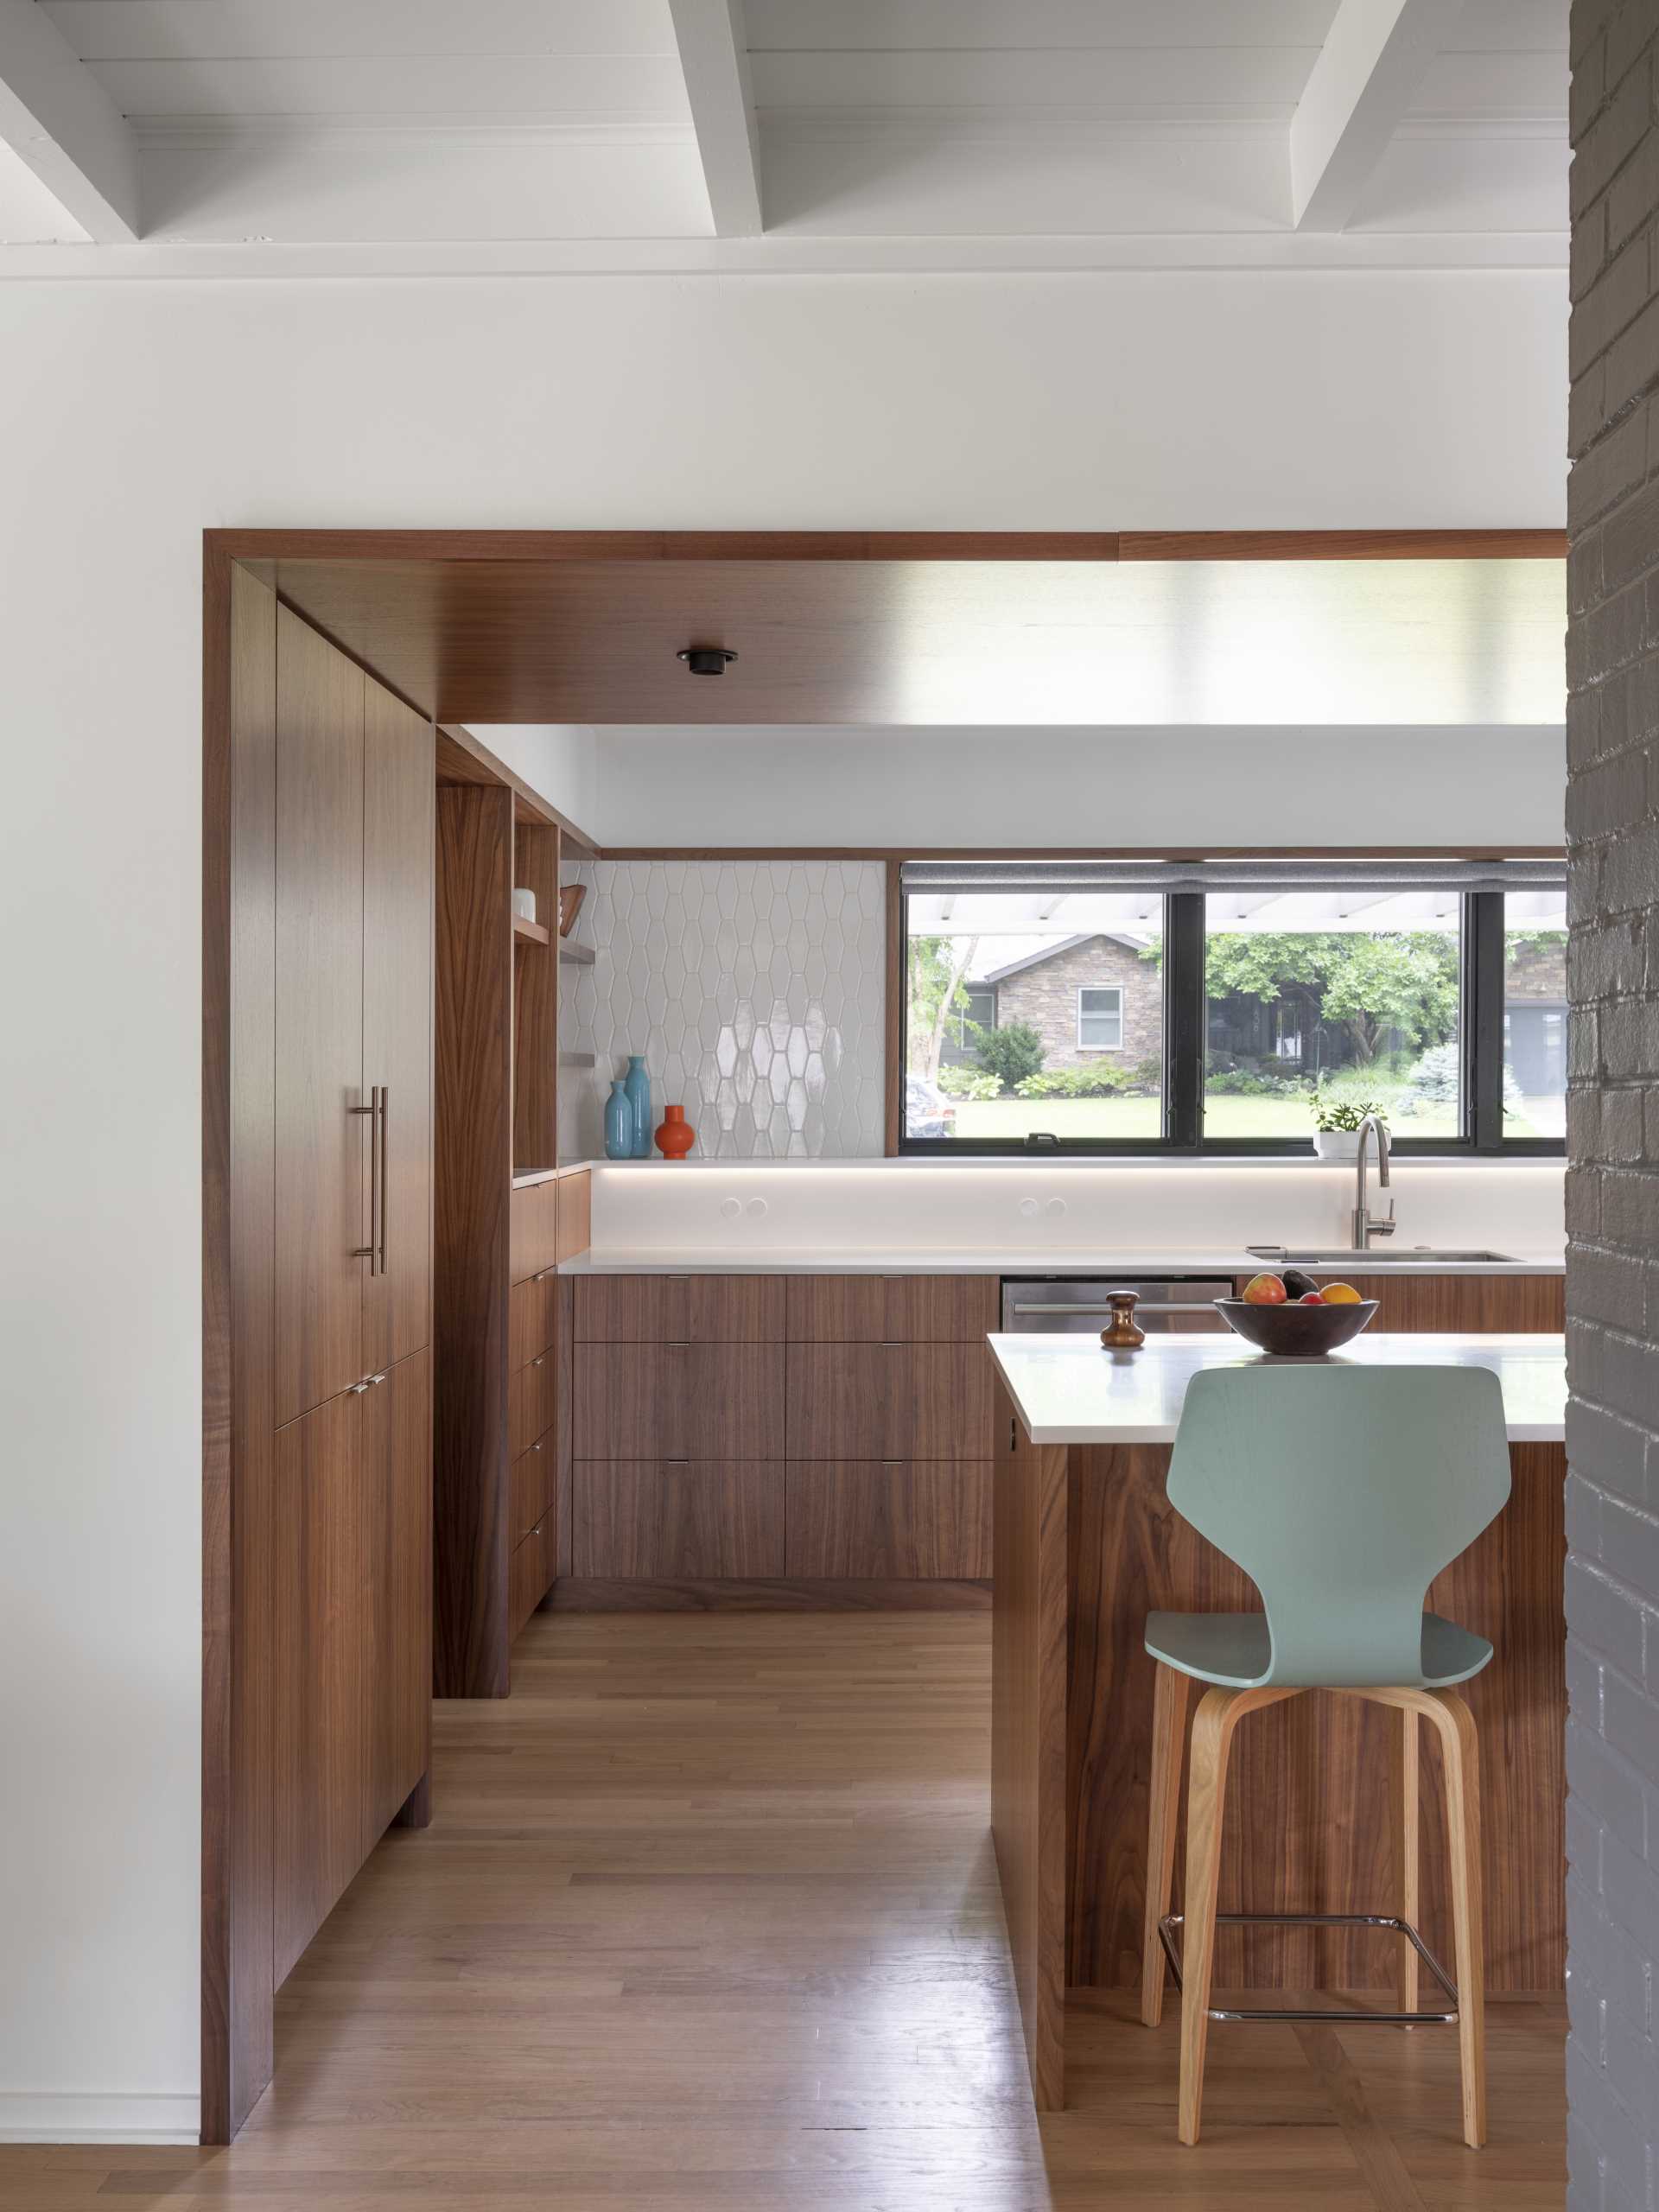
960,877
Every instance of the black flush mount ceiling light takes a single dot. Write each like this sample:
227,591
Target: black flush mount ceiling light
705,660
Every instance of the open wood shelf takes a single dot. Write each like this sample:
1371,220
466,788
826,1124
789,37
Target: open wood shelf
531,932
576,956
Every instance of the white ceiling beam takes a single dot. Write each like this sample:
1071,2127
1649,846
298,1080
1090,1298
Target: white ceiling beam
59,120
715,55
1368,72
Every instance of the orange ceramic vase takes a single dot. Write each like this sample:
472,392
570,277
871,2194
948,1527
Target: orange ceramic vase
676,1136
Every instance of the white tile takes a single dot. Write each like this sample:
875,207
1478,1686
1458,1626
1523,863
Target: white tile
755,989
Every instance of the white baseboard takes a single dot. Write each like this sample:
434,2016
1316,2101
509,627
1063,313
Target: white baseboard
88,2116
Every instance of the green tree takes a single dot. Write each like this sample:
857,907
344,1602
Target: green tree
934,969
1011,1053
1405,981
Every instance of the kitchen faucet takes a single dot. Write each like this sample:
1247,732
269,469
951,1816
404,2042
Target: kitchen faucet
1364,1227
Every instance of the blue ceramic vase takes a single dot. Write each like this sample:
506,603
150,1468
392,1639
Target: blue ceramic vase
638,1086
619,1123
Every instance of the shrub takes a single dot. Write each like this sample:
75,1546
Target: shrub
956,1080
1251,1083
1012,1055
1434,1081
1100,1081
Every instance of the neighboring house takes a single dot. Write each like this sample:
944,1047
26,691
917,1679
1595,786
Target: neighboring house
1535,1016
1092,998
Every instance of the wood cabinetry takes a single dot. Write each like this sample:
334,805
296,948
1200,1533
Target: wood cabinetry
889,1401
399,795
827,1429
891,1309
352,1575
679,1309
504,1218
871,1396
533,1316
679,1401
697,1519
317,1657
351,1492
322,1142
917,1519
1522,1305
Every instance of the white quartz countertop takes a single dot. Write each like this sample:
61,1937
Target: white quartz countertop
1116,1266
1068,1390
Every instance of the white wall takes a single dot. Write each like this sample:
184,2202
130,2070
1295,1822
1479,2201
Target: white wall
1008,789
558,759
138,413
1066,1212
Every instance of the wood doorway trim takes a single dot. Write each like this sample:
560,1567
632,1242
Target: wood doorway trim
235,2047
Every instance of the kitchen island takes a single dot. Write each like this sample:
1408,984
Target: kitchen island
1086,1544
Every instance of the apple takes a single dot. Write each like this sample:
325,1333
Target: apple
1264,1290
1312,1297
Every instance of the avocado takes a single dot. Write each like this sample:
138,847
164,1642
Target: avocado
1297,1285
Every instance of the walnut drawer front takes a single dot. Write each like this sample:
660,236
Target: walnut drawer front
889,1401
532,1317
532,1401
692,1518
534,1479
532,1229
530,1575
896,1309
679,1309
918,1518
679,1401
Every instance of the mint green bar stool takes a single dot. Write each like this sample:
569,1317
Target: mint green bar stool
1341,1491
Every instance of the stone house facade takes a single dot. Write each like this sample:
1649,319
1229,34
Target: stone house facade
1044,991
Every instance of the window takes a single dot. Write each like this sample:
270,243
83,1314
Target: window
1330,999
1535,1014
1232,1006
1100,1017
974,1013
1034,1018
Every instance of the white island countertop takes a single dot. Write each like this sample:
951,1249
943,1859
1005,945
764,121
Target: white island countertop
1068,1390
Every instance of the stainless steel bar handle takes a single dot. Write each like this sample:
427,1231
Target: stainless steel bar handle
385,1153
372,1110
1148,1307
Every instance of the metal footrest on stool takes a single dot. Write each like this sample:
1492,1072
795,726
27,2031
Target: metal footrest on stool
1321,1920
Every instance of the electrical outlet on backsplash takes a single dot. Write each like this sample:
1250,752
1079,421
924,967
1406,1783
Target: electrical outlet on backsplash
755,988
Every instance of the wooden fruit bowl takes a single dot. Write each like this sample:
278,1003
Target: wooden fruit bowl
1294,1330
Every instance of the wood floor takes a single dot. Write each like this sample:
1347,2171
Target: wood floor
707,1918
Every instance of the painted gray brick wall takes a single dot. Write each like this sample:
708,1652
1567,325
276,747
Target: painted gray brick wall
1612,1198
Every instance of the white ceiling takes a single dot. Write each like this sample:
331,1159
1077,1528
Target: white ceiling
761,134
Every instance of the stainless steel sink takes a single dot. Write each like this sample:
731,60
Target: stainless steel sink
1411,1255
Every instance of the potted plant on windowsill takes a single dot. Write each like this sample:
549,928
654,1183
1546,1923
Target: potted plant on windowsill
1336,1124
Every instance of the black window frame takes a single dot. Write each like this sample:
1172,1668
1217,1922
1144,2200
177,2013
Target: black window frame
1481,1032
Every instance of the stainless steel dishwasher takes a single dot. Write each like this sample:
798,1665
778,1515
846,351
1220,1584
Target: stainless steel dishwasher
1063,1306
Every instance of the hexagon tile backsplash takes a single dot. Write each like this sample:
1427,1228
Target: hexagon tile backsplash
755,988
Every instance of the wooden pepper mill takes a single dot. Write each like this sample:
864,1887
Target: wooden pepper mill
1123,1332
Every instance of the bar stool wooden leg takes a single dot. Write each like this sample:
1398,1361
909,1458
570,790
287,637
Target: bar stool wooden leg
1460,1756
1206,1799
1460,1751
1168,1733
1218,1714
1405,1741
